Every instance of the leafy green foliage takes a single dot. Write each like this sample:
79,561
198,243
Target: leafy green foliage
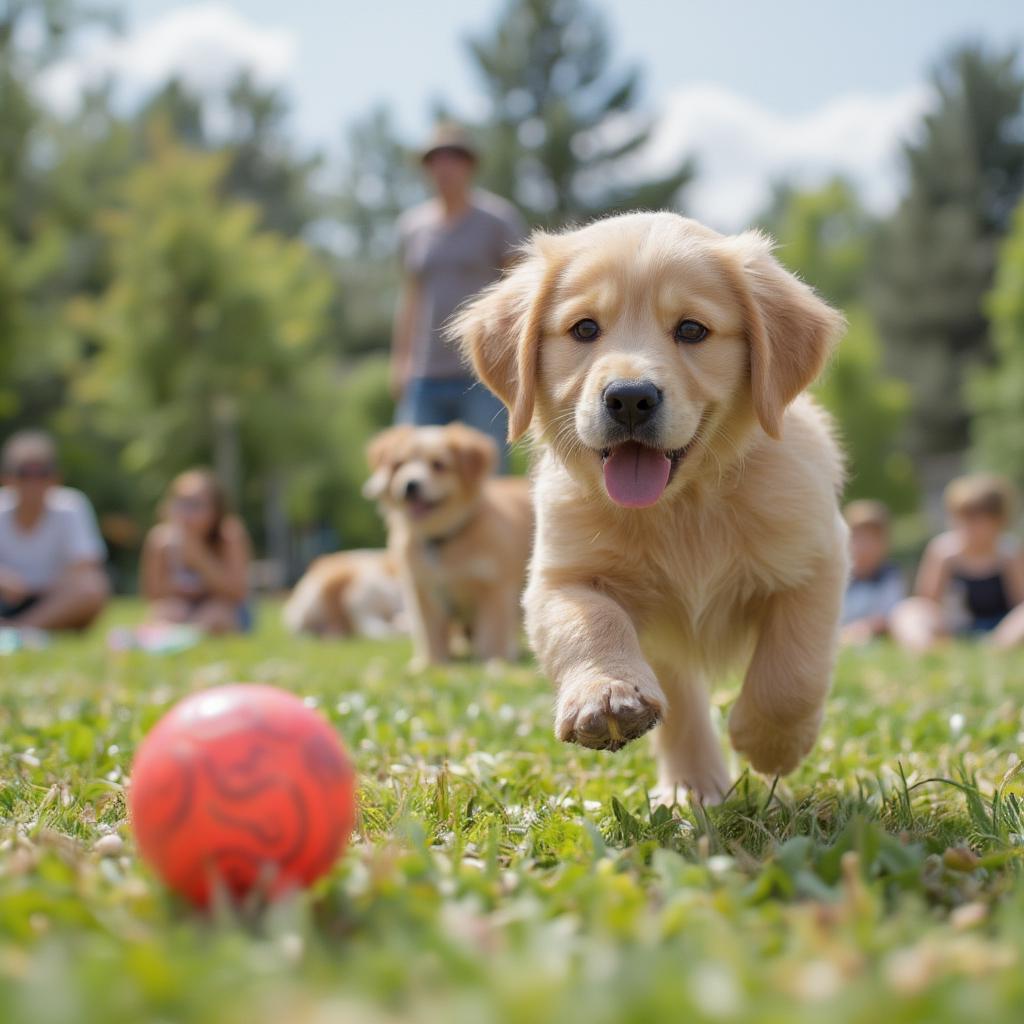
497,874
207,337
824,237
936,256
997,393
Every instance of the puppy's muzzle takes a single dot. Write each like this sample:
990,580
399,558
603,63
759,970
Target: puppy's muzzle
631,403
413,490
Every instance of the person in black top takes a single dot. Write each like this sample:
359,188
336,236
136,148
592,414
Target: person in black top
971,580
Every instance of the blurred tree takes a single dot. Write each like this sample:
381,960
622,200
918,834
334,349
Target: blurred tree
207,338
997,393
562,125
247,123
379,179
360,405
936,256
33,33
42,249
263,165
824,237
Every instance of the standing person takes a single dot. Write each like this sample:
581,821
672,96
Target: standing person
971,579
450,247
195,561
51,552
876,584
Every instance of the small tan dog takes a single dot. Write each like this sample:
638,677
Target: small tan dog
687,516
349,593
460,537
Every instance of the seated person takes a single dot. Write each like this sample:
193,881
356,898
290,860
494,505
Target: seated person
876,583
971,580
195,561
51,552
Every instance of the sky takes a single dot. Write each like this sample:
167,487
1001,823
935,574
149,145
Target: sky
757,90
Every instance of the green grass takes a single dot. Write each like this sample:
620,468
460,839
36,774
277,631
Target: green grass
500,875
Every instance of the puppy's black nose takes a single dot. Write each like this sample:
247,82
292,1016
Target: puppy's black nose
631,402
412,490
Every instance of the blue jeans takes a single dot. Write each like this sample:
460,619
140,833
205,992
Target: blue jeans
435,401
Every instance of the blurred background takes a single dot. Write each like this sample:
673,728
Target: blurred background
197,240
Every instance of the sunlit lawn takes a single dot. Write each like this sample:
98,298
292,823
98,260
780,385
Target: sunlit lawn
500,875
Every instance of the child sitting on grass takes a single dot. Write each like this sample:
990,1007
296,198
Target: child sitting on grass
971,579
876,584
195,562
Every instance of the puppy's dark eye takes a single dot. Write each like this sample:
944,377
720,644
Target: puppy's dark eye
585,330
690,331
437,466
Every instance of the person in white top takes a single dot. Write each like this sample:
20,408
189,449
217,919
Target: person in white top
51,552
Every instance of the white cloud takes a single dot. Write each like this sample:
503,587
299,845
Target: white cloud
204,44
741,147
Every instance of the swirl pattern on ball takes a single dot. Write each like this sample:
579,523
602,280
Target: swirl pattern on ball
241,787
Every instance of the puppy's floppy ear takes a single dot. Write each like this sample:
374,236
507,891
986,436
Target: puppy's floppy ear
790,329
476,454
499,331
378,455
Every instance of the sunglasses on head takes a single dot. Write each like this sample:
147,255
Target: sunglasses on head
34,471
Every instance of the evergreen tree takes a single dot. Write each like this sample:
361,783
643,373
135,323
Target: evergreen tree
936,257
562,124
261,166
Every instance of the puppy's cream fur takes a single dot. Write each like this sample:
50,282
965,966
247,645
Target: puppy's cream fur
742,560
460,537
348,593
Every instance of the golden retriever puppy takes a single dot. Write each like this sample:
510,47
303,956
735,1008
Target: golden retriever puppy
349,593
687,516
460,537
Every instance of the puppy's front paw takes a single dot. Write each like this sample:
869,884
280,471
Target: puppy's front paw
606,714
772,747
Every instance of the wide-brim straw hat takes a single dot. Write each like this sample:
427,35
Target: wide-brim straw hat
451,136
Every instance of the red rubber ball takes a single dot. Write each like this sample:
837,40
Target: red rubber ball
241,788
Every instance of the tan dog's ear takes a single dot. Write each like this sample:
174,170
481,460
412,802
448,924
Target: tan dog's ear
791,331
499,332
476,454
378,455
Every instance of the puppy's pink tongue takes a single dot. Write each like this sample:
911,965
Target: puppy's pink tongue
636,476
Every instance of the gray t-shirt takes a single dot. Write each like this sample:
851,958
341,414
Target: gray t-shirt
65,534
451,262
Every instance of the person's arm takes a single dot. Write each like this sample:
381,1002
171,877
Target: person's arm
933,575
154,579
406,313
226,574
1015,576
13,589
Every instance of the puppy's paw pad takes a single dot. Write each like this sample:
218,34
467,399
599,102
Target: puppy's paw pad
606,715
